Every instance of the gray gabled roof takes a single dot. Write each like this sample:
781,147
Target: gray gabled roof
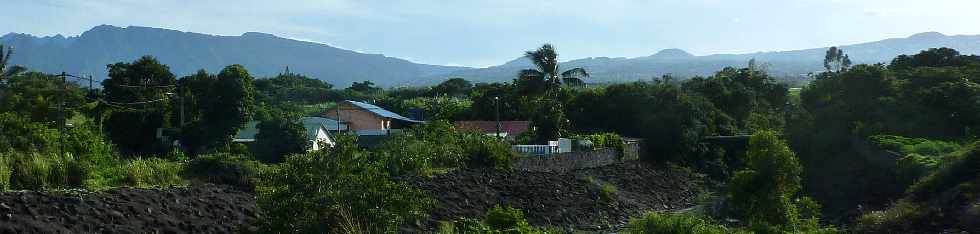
381,111
311,124
329,124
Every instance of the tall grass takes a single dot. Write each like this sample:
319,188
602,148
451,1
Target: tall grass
36,171
5,172
150,172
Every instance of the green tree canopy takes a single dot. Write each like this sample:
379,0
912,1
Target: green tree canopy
139,90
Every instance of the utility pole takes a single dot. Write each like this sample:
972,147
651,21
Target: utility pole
496,105
61,113
338,117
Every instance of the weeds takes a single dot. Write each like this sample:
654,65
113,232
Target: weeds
152,172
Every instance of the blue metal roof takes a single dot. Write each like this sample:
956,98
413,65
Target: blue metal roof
381,111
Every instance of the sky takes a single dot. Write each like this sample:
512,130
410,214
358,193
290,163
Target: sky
480,33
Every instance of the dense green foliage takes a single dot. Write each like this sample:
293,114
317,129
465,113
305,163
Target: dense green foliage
437,145
235,170
656,223
498,220
765,193
141,87
931,95
294,88
321,191
279,135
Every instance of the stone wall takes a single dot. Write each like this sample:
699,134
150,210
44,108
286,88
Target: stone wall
564,162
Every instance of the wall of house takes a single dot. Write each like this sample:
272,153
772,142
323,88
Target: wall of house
570,161
357,118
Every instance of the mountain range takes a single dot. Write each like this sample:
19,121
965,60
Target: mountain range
267,55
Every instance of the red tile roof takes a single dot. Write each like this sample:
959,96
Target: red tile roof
512,128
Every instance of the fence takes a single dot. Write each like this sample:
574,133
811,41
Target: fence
535,149
564,162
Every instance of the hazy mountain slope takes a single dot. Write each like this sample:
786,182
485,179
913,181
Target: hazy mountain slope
784,63
262,54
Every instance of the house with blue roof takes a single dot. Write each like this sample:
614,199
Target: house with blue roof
367,118
319,131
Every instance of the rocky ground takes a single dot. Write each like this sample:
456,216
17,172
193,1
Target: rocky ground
196,209
572,200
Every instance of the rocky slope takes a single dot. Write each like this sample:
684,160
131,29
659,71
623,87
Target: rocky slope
571,200
198,209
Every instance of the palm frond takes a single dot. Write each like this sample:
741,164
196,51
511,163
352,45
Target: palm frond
545,58
13,71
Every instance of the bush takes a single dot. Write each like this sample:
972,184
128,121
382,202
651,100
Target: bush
226,169
963,168
150,172
911,167
321,191
498,220
655,223
896,216
920,146
604,140
486,151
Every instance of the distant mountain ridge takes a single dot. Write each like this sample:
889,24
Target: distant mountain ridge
185,52
267,55
795,63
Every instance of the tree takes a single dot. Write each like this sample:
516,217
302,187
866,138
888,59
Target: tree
836,60
139,90
7,72
765,191
279,136
37,96
366,87
547,78
456,87
234,102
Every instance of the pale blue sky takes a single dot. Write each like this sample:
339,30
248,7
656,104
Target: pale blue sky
485,33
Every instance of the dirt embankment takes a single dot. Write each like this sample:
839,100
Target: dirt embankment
197,209
563,200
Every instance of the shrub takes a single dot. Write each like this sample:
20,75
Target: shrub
307,193
226,169
486,151
895,216
604,140
911,167
655,223
498,220
920,146
962,168
149,172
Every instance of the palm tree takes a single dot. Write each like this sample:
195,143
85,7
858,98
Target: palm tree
548,76
7,72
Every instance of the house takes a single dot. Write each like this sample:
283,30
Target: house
508,129
318,132
360,116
